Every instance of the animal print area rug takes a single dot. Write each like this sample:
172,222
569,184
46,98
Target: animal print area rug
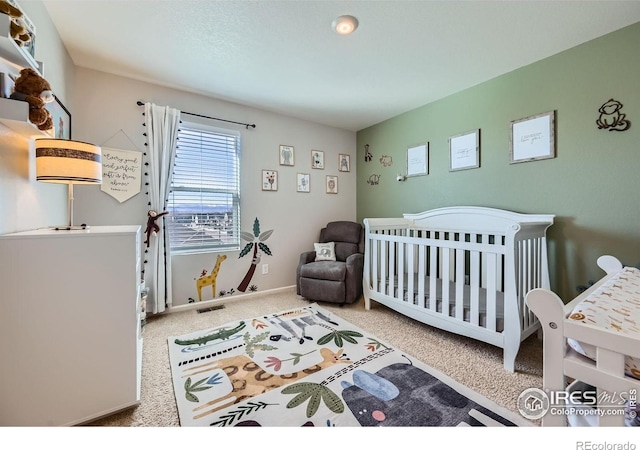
309,367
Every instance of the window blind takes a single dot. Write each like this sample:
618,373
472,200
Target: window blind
204,204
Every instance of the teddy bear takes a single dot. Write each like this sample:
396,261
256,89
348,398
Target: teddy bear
35,90
17,28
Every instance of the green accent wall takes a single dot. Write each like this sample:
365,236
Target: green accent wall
591,185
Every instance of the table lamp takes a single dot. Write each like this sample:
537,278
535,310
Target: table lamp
68,162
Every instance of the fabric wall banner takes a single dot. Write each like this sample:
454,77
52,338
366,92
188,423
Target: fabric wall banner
121,170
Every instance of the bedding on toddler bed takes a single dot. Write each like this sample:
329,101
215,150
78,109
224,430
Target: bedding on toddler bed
614,306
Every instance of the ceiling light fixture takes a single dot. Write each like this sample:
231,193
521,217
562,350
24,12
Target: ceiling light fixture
345,24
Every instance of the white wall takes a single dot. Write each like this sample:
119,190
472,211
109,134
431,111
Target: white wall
24,202
105,113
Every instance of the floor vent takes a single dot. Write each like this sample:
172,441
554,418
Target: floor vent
210,308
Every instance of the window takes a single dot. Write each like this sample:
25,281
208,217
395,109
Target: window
204,204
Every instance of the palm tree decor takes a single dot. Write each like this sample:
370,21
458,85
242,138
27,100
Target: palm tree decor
255,241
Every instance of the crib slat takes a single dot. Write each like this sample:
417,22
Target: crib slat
474,267
444,279
399,295
410,272
433,279
492,266
383,266
459,283
421,271
392,266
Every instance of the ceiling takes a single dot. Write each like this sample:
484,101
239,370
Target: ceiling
284,57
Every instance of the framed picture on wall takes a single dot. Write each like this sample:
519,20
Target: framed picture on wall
418,160
332,184
287,155
532,138
302,182
317,159
269,180
61,119
344,163
464,151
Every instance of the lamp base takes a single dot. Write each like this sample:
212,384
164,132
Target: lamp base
84,226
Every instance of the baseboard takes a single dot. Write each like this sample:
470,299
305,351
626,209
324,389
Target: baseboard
226,299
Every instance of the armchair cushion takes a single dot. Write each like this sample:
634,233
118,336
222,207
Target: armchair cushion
324,270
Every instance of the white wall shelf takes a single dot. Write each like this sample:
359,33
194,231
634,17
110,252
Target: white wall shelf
11,52
14,114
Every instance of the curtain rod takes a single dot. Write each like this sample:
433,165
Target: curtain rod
247,125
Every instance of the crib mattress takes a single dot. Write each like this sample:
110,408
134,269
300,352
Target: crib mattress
614,306
482,300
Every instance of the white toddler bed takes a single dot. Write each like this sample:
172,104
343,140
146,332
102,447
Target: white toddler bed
594,342
463,269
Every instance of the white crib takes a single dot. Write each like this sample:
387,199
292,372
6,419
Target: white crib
463,269
592,342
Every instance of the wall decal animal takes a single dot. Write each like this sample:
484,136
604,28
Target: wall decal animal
386,160
210,280
367,154
611,117
373,180
248,379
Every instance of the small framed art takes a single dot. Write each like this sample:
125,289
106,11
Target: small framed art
344,163
287,155
317,159
302,182
464,151
332,184
532,138
418,160
61,119
269,180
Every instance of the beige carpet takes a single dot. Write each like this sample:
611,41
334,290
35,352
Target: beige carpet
474,364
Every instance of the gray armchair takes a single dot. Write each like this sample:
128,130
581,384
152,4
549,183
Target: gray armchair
338,281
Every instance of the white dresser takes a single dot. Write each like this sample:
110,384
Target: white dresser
70,325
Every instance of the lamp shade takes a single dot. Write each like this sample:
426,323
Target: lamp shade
66,161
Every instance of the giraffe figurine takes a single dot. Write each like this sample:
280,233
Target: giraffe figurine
210,280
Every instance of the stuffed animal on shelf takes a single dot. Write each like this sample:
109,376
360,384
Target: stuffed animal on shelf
35,90
152,227
17,28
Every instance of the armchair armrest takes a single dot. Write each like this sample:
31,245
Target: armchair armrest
305,258
355,260
353,279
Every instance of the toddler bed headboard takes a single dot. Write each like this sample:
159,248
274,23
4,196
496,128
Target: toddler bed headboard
464,269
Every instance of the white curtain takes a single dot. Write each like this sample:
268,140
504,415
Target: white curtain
162,132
